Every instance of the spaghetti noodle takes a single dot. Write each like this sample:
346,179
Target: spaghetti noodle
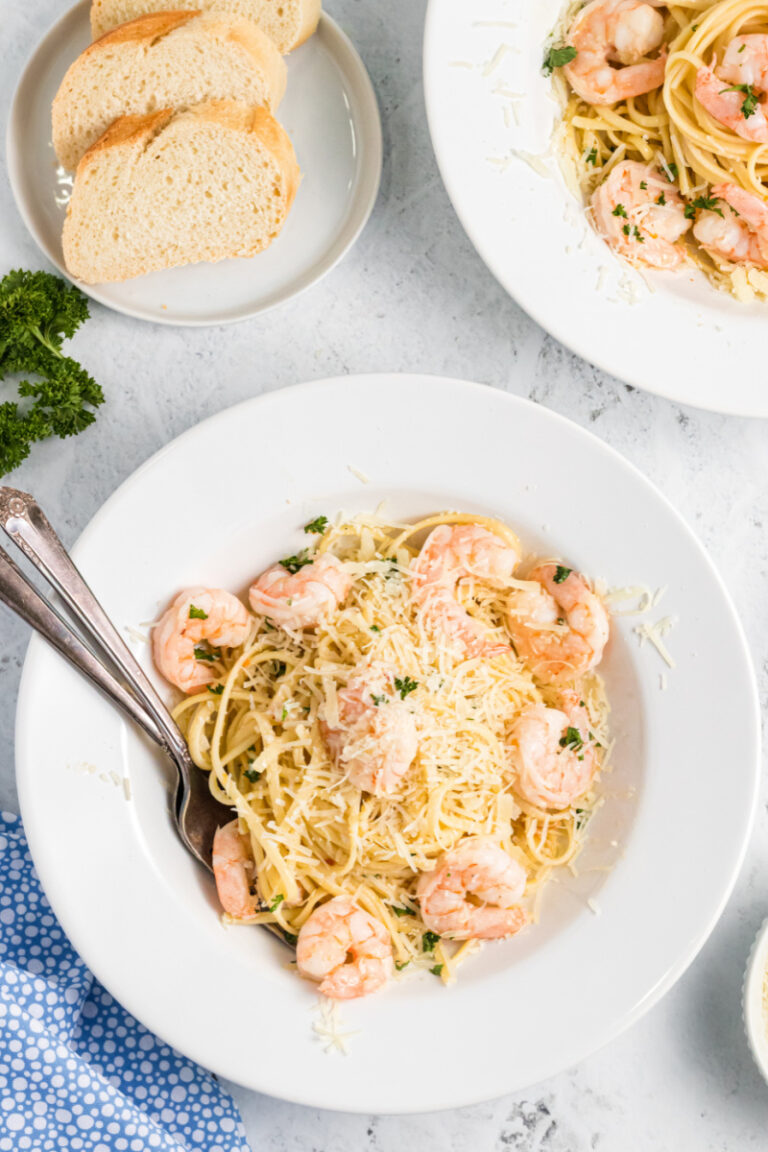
258,731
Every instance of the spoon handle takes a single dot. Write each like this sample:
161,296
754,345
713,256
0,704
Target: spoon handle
24,599
24,521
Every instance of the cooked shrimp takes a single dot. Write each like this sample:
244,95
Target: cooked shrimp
345,949
641,215
197,615
745,61
300,599
732,108
741,235
450,554
554,755
375,740
474,893
559,628
622,32
233,871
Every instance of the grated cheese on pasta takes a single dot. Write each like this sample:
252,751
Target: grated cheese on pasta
313,833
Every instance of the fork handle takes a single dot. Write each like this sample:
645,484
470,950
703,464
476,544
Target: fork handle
24,521
23,598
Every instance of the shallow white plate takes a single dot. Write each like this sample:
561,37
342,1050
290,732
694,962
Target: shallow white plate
486,99
330,113
144,916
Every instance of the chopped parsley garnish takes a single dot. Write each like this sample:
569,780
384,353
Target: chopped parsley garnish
620,210
562,574
402,911
429,941
405,686
572,739
284,713
217,689
38,311
375,628
276,902
673,170
294,563
378,699
204,654
592,157
290,938
317,526
197,613
637,235
643,185
252,775
661,198
625,229
438,968
401,964
749,103
707,203
556,57
742,48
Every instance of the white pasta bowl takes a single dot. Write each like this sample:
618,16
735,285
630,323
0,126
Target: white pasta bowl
491,116
220,504
755,1018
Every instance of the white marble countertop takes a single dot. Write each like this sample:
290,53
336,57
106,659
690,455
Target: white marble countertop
413,296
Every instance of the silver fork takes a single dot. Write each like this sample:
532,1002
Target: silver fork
196,813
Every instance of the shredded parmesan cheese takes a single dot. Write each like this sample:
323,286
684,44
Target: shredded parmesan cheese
327,1028
655,633
502,51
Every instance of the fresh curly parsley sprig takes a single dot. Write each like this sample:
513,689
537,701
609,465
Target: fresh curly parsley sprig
38,311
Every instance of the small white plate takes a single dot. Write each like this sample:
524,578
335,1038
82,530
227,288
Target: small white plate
610,942
487,100
329,111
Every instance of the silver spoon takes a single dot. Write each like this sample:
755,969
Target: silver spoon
196,813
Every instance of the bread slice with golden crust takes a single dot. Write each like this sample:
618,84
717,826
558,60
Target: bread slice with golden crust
165,60
288,22
171,188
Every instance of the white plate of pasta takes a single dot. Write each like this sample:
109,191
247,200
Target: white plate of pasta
435,682
608,161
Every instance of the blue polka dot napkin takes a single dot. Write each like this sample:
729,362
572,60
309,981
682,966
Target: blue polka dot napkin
76,1071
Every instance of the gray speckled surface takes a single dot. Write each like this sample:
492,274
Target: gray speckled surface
414,296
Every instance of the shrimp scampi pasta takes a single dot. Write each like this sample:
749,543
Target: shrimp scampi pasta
664,132
408,729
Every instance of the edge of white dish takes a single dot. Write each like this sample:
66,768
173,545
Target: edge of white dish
755,1023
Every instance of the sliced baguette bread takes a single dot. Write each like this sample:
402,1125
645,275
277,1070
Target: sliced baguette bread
288,22
172,188
165,60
